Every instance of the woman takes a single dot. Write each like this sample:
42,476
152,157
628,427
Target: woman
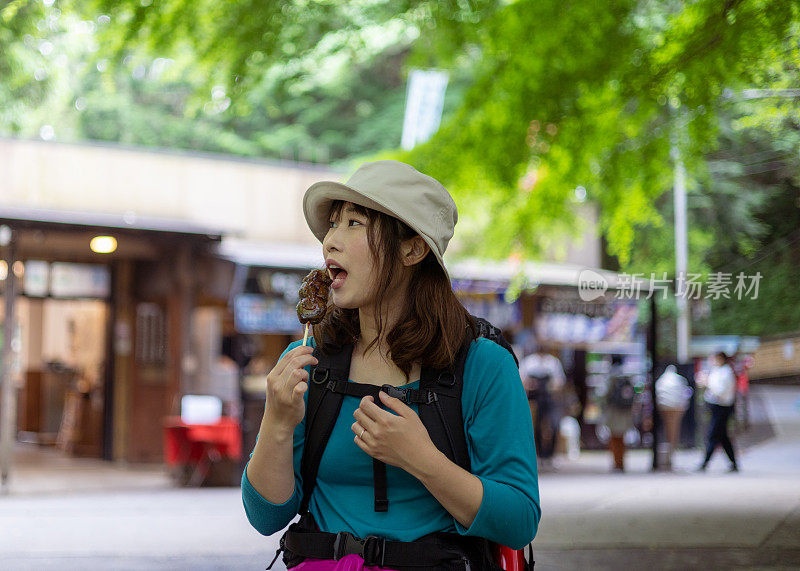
383,235
720,395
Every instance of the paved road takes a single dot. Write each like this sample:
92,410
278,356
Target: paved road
72,514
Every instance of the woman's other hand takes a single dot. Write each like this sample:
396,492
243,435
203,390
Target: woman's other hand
398,439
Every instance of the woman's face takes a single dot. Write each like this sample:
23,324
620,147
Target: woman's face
349,259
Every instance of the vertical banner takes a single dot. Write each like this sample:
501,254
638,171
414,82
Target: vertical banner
424,101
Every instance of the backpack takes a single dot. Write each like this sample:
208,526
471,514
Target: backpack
622,393
439,408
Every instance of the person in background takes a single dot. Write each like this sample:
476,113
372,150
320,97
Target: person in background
672,399
720,394
544,379
619,397
741,364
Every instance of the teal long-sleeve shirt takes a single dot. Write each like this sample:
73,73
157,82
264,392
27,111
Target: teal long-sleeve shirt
499,431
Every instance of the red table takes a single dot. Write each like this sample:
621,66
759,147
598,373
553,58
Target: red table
198,445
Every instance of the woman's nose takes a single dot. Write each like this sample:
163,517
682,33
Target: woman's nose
330,242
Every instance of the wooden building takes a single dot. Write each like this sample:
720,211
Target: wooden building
109,327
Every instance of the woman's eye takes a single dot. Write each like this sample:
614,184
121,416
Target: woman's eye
350,222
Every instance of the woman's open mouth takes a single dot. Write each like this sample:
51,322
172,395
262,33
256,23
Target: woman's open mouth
337,274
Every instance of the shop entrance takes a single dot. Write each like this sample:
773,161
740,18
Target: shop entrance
61,366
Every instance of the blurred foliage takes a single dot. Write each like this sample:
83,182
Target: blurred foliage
592,100
78,91
545,96
562,94
744,219
23,61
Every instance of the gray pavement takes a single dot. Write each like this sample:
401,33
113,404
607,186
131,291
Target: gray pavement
82,514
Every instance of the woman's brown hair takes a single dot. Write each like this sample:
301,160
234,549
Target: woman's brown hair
433,323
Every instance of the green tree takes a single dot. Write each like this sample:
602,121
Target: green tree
557,96
592,101
563,95
743,225
25,83
323,106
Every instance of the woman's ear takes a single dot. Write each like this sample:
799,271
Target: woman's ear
414,250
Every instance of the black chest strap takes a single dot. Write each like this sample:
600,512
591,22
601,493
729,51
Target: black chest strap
328,385
439,407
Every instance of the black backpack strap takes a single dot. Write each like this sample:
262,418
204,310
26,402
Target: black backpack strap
379,480
443,418
322,410
327,387
439,397
441,412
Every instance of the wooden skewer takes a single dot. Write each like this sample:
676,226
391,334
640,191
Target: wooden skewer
305,336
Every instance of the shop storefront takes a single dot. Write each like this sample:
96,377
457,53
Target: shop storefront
541,308
102,311
585,335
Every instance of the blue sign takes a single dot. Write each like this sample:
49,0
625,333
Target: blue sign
254,313
494,309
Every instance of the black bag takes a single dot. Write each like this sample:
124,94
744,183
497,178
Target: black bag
621,393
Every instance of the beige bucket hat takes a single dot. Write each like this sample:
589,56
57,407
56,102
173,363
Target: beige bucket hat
396,189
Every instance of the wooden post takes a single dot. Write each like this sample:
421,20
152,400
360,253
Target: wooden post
9,405
122,355
179,314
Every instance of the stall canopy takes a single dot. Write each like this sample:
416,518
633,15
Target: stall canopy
499,273
271,254
705,345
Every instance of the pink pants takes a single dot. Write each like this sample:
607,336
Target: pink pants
346,563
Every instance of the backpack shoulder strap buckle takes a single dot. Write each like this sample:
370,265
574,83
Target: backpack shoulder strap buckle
432,397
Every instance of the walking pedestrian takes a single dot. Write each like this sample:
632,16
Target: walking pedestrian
720,395
544,380
672,399
386,496
619,399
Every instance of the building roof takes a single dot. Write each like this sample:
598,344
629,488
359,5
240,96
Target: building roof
30,217
534,272
187,153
